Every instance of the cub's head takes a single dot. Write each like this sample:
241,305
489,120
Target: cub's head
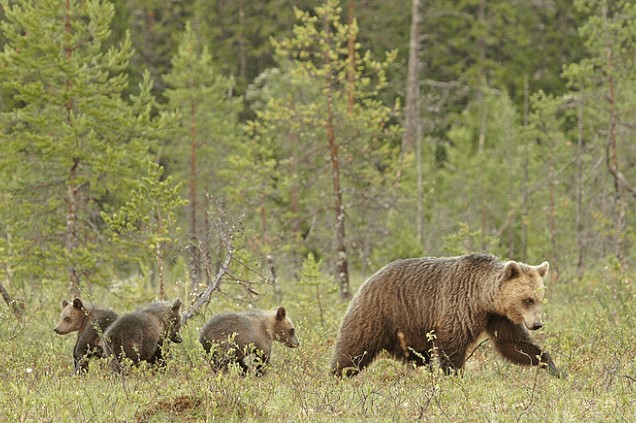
284,329
521,292
72,317
174,321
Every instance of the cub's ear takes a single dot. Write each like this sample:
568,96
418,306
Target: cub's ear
176,305
511,270
77,303
281,313
543,269
64,303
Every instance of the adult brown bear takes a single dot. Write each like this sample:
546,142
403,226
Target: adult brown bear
414,307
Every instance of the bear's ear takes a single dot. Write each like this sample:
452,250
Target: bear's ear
543,269
511,270
176,305
281,313
64,303
77,303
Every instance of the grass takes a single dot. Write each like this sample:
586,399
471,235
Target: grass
590,330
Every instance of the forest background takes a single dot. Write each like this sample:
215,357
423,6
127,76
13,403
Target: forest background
507,131
256,153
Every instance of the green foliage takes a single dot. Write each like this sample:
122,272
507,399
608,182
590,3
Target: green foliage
72,143
400,242
310,275
465,241
208,130
292,182
148,219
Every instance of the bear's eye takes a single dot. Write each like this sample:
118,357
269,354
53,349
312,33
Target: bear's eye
291,331
67,319
528,301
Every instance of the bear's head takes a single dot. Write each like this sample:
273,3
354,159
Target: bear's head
73,316
521,292
284,329
168,316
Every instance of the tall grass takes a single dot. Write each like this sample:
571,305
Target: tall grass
590,330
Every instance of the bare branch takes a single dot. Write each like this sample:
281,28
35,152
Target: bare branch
204,297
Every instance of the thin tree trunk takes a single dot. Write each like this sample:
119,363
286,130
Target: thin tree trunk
351,69
580,227
342,271
420,185
263,213
481,44
159,258
242,43
412,118
195,251
612,158
294,202
72,190
72,242
412,106
526,176
481,99
552,216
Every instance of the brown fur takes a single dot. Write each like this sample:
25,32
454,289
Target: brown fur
140,335
416,307
90,322
231,337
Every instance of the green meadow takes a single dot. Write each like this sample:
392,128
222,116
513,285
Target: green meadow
590,330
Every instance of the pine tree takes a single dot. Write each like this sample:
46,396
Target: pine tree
73,145
207,135
323,147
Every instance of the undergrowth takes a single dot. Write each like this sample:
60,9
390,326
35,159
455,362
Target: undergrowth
590,331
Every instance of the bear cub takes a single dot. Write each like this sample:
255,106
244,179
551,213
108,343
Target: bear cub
418,309
233,337
139,335
90,322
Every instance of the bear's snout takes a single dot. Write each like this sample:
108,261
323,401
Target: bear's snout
293,342
56,330
537,326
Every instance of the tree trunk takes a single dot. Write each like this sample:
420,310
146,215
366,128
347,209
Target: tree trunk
526,176
552,217
612,158
412,105
580,227
342,271
481,44
263,213
195,250
412,116
72,188
242,42
72,242
351,69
